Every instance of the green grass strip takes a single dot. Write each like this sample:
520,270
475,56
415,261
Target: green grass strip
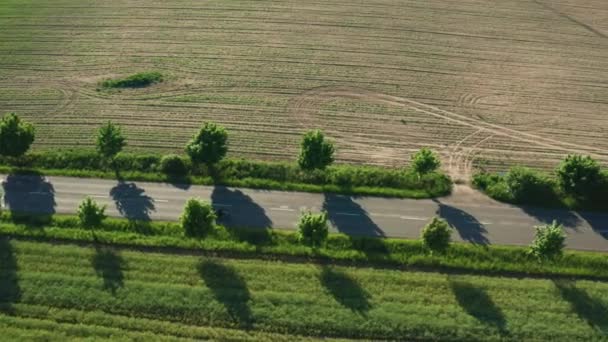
339,248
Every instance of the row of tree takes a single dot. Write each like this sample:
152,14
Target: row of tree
208,146
199,219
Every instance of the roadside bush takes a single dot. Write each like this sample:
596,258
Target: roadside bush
16,135
90,213
436,235
579,175
173,164
527,185
142,79
198,218
549,242
313,229
425,161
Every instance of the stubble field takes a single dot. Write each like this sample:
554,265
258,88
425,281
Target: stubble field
485,83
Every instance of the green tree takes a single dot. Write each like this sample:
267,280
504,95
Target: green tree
579,175
209,145
198,218
315,151
90,213
437,234
425,161
16,136
313,228
110,140
549,241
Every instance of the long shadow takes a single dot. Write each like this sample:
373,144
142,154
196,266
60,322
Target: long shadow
476,302
9,283
109,266
348,217
597,221
468,227
567,218
29,194
591,310
345,290
242,210
230,289
132,202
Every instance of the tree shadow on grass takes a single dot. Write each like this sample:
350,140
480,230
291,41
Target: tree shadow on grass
345,290
132,202
25,195
228,288
476,302
9,282
109,266
468,227
591,310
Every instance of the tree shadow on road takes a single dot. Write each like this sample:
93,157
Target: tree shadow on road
243,211
565,217
228,288
345,290
29,194
593,311
348,217
9,282
132,202
109,265
476,302
598,222
468,227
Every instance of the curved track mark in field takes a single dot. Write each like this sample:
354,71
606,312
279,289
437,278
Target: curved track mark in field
305,105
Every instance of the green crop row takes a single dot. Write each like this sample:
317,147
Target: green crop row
130,291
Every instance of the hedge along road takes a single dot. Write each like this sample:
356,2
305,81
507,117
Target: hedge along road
476,218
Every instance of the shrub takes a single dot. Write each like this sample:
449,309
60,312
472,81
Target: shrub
313,228
528,185
209,146
436,235
198,218
90,213
110,140
315,152
549,242
16,136
173,165
425,161
142,79
579,175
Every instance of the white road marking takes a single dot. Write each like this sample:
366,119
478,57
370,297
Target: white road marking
282,209
99,196
161,200
348,214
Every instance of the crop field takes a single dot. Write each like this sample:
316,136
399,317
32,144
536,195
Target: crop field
485,83
64,291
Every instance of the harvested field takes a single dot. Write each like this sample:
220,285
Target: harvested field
484,82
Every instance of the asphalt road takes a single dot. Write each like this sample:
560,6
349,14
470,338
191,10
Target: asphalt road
476,218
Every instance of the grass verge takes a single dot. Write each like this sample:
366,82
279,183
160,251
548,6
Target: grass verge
339,248
100,291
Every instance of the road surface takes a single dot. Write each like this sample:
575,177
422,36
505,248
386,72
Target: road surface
476,218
